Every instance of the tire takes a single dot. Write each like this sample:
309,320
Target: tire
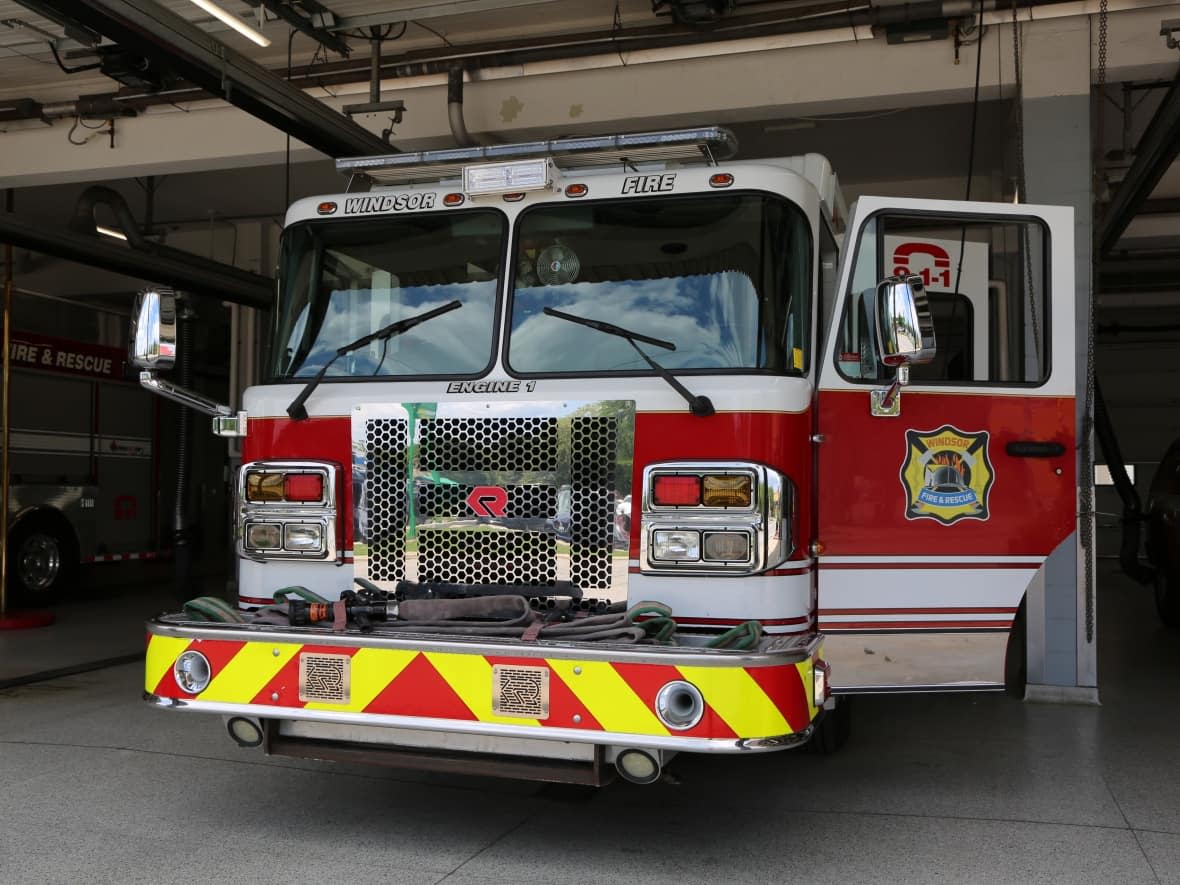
833,730
42,560
1167,598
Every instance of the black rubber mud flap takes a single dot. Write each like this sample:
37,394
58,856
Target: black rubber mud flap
1016,655
834,729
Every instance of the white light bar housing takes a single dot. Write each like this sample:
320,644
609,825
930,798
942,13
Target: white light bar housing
505,178
707,144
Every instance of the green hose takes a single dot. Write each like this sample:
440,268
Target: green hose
743,637
659,625
303,593
210,608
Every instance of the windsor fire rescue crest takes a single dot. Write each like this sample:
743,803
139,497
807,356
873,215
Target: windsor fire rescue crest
947,475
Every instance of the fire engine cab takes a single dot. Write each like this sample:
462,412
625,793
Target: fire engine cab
574,455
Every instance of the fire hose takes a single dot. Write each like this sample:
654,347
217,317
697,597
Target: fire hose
500,613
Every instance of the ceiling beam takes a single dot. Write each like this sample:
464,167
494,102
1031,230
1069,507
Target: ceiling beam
163,36
187,273
394,11
1156,151
1152,273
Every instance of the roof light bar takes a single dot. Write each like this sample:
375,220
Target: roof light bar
706,144
498,178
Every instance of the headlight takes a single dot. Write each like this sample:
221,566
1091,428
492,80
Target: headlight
264,536
727,546
676,545
303,537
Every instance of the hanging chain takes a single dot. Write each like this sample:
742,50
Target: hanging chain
1022,191
1087,459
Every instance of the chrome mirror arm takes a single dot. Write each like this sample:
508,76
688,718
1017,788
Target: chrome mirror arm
886,402
225,421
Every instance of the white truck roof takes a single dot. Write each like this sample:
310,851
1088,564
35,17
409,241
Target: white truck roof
703,145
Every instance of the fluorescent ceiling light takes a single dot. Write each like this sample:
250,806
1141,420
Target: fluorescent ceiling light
110,232
788,126
233,21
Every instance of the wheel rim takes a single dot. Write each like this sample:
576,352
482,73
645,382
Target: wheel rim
38,562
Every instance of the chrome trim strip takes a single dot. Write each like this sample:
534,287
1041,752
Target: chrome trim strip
572,735
940,688
782,649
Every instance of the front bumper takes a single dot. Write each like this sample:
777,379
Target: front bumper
584,693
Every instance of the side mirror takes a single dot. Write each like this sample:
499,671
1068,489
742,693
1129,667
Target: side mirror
153,347
905,329
153,330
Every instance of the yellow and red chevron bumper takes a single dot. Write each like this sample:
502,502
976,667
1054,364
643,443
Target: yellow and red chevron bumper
598,695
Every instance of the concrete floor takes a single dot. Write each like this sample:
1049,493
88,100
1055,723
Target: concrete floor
96,787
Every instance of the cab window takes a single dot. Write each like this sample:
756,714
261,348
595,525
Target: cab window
986,281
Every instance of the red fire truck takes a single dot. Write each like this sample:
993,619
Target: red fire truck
837,470
81,448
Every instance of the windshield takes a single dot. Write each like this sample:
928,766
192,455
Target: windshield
341,281
725,278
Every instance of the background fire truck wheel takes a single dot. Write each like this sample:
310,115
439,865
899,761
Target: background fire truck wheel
1167,598
834,729
42,558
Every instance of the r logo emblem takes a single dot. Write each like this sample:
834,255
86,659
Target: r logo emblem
488,501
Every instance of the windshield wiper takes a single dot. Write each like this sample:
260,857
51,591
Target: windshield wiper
698,405
296,410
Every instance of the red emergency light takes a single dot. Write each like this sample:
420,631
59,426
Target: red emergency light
304,487
671,490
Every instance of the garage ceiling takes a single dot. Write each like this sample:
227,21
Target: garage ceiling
894,117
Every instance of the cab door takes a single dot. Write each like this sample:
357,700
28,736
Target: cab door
938,506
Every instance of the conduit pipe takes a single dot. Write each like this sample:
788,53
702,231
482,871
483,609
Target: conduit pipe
455,108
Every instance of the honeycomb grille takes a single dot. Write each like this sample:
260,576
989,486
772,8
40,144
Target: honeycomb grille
489,444
580,450
487,557
385,498
592,448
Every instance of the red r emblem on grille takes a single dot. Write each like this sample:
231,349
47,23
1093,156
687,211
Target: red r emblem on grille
488,501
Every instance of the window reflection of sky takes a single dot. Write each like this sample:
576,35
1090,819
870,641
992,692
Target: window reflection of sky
711,318
455,343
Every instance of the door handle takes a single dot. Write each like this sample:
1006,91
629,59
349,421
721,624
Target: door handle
1034,448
